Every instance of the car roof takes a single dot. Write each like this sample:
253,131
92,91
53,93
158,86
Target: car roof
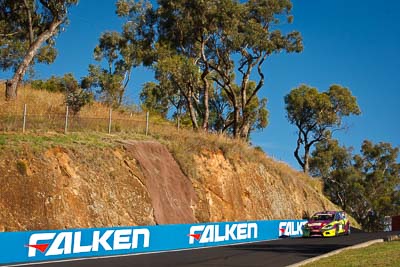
328,212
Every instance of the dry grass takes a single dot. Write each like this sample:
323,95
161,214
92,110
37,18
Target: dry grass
38,102
41,102
91,126
46,113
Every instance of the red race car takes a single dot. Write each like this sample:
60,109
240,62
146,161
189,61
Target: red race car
327,223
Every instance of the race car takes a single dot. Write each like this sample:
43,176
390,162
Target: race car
327,223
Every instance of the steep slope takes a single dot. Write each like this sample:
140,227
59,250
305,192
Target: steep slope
54,182
237,190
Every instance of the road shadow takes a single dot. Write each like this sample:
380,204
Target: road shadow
304,249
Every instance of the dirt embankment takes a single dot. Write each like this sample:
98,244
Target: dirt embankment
140,183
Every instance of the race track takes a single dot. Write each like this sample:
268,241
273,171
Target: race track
280,252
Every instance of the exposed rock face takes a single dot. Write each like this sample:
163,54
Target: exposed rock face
72,189
140,183
247,191
171,192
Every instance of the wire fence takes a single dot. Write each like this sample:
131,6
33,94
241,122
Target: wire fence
67,122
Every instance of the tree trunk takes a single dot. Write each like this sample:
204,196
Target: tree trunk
192,113
206,105
244,131
12,85
236,118
206,87
306,167
297,151
193,116
11,88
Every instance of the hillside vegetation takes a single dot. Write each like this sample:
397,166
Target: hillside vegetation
91,179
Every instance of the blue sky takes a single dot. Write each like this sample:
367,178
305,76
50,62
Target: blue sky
353,43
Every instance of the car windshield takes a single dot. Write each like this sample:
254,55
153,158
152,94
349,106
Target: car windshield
322,217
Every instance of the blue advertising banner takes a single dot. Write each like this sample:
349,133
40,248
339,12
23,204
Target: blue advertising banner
23,247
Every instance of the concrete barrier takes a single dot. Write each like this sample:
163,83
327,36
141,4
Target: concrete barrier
36,246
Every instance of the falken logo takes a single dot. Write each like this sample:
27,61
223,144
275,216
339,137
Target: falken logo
291,228
215,233
64,243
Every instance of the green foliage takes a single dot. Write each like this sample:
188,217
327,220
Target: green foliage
110,85
197,48
27,31
315,114
75,96
53,84
154,99
365,185
3,140
121,55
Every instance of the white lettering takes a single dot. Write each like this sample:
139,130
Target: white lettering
146,237
290,228
56,248
121,239
208,234
193,230
212,233
254,227
97,240
65,243
230,232
218,238
33,241
77,244
242,231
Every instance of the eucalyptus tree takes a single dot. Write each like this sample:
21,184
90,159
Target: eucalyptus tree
224,41
248,31
111,80
366,185
224,38
380,169
154,100
27,32
119,52
317,114
334,165
178,75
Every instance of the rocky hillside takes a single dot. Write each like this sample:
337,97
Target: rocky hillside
53,181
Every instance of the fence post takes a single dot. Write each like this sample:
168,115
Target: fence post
24,120
66,120
147,123
109,121
179,122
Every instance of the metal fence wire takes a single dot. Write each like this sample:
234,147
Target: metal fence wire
67,122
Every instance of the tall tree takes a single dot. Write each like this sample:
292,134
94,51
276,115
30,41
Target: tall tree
121,52
315,114
334,164
111,80
381,178
249,32
179,76
226,41
154,100
366,185
27,31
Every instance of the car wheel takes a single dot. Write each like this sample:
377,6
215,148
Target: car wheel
336,231
348,232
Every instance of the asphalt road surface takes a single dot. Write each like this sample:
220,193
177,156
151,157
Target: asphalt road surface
280,252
